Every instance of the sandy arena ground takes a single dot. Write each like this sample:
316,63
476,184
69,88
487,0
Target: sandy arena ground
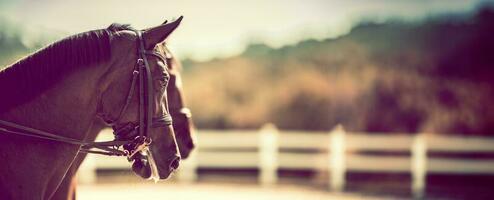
205,191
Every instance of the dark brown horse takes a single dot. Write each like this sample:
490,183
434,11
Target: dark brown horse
182,125
182,118
64,88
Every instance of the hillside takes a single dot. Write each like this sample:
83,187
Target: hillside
435,76
16,40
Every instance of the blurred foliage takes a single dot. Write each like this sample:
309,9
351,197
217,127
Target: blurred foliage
430,76
17,41
10,42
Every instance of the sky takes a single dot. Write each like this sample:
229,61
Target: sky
221,28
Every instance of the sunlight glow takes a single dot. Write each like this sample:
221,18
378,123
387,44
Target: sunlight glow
221,28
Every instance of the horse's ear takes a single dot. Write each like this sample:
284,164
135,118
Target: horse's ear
159,33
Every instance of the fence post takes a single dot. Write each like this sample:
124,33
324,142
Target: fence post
337,167
419,165
188,168
268,154
87,171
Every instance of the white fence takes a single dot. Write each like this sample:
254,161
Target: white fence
335,152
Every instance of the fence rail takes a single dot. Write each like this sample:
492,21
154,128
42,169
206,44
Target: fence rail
335,152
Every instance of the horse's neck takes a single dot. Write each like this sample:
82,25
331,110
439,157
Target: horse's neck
67,109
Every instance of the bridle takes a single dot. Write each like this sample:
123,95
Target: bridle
129,139
182,114
139,133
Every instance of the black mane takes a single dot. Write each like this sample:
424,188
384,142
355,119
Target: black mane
29,77
119,27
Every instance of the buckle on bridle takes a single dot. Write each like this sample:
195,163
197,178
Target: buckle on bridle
126,132
136,146
140,61
130,132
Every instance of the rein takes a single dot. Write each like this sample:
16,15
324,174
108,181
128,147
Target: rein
133,138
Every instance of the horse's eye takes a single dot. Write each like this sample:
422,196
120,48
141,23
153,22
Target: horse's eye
164,80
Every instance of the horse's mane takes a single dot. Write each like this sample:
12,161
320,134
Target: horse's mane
30,76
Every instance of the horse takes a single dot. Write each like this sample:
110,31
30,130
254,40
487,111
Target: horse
52,98
182,125
182,117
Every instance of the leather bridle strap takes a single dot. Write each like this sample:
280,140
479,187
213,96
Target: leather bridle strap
145,101
149,121
130,94
31,132
39,133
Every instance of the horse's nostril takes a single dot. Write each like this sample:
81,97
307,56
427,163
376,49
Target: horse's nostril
175,163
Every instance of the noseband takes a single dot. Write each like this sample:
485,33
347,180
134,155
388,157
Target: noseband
132,137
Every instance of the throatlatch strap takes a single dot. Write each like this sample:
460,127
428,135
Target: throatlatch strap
135,75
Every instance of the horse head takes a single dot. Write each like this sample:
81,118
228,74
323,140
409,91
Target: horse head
182,118
135,54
